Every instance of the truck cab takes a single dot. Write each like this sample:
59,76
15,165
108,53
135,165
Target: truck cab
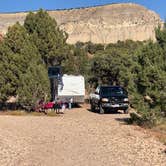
109,98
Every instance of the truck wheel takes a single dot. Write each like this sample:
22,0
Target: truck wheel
92,107
126,111
101,110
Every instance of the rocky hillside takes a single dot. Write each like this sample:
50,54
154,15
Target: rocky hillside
102,24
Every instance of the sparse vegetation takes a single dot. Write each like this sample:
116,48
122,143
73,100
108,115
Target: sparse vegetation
25,113
28,50
141,68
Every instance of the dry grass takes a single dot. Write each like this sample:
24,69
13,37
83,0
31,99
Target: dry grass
157,130
161,131
161,136
162,127
24,113
14,113
162,139
52,113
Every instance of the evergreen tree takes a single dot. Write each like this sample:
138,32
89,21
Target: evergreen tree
151,81
76,62
23,72
47,37
114,66
161,35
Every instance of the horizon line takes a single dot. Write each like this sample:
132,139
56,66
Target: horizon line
83,7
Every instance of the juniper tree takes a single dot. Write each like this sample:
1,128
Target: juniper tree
47,37
22,70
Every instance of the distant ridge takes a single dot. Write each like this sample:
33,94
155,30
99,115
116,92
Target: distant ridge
58,9
99,24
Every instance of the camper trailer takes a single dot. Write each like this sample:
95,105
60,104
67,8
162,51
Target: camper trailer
69,88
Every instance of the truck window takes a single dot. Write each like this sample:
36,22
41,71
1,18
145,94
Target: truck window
108,91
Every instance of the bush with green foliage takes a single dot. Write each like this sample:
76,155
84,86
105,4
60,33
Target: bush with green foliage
22,72
47,37
27,51
151,79
141,68
115,65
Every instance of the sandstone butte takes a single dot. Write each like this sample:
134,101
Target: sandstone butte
100,24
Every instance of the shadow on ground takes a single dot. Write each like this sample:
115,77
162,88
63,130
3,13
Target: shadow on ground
106,112
123,120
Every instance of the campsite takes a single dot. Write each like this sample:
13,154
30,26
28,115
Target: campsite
82,85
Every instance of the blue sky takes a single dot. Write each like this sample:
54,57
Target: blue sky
158,6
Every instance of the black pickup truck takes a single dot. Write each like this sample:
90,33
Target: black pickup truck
109,97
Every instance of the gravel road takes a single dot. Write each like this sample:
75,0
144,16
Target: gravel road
76,138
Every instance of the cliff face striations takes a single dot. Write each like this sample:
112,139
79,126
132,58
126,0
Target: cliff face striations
102,24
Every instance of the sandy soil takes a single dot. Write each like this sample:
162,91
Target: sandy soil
76,138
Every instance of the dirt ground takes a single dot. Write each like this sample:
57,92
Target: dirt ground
77,138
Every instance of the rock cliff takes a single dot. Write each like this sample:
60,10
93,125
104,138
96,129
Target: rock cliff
101,24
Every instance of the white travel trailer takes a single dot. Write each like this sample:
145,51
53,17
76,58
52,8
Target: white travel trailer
72,88
69,88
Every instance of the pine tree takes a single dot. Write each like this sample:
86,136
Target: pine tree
47,37
23,72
